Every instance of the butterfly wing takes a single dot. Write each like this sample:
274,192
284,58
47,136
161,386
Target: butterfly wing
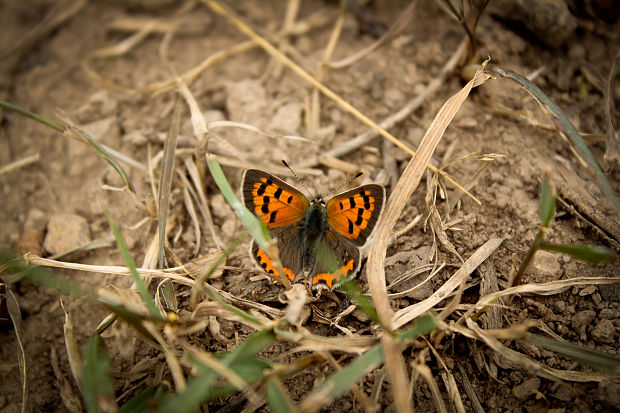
335,257
354,214
280,207
274,201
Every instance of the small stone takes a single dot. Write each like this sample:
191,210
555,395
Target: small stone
32,236
589,290
394,97
546,265
609,393
581,320
213,115
287,118
606,313
564,393
596,299
527,388
604,332
560,306
66,232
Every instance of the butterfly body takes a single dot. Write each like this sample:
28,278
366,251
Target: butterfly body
318,241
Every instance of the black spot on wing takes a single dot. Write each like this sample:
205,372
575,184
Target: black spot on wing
261,189
278,193
264,209
350,226
360,217
290,199
272,217
352,202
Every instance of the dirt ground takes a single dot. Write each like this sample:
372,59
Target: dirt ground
53,77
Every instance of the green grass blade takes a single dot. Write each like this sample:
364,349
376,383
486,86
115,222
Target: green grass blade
592,358
142,402
97,383
547,203
201,389
131,265
344,379
255,226
277,397
105,155
360,299
589,253
24,112
567,129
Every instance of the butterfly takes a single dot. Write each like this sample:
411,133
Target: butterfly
318,241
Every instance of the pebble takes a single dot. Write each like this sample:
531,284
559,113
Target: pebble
587,291
560,306
604,332
610,393
66,232
527,388
564,393
606,313
287,118
581,320
31,239
546,263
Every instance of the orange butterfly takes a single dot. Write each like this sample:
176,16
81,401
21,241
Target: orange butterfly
317,241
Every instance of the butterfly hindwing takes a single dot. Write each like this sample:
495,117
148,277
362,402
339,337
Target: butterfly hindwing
354,213
277,203
335,257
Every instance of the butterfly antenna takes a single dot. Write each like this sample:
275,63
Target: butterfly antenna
345,184
298,178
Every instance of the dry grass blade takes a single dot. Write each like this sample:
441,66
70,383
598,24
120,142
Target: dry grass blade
396,28
16,318
218,8
395,366
20,163
71,344
550,288
612,149
533,366
70,400
469,389
427,375
407,314
192,170
189,206
165,181
239,125
449,382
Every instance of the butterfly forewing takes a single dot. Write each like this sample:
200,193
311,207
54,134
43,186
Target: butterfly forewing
354,214
273,200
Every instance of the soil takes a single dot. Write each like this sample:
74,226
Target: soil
69,183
